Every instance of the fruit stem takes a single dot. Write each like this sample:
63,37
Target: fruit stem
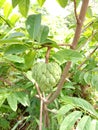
47,54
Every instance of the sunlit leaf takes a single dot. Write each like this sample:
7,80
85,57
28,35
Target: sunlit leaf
1,2
94,125
70,120
79,102
22,98
12,101
63,110
24,7
14,18
41,2
84,123
62,3
14,58
89,12
7,9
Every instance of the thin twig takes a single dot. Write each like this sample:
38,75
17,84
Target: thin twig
76,15
38,90
87,58
6,81
87,26
41,114
5,21
62,44
79,26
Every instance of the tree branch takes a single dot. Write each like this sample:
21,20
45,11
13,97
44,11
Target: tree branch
74,44
61,83
75,11
79,25
87,58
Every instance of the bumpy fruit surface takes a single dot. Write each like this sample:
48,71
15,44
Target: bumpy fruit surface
46,75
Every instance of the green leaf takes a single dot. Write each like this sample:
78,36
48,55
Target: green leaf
41,2
24,7
43,33
80,103
95,24
2,98
12,101
29,76
15,49
96,35
51,43
94,125
7,9
33,24
14,58
88,77
67,55
63,110
62,3
89,12
1,2
14,18
94,81
29,59
15,3
70,120
84,123
22,98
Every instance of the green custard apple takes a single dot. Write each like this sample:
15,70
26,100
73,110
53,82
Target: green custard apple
46,75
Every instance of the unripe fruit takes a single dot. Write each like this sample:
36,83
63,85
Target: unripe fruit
46,75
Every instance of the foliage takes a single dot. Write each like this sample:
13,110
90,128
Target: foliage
28,38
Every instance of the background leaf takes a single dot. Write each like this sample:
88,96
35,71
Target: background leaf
84,123
7,9
24,7
15,2
62,3
41,2
70,120
15,49
1,2
67,55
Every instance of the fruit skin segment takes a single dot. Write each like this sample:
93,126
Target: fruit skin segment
47,75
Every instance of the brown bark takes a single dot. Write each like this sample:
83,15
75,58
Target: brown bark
74,44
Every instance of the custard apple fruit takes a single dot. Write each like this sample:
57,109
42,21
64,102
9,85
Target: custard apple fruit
46,75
